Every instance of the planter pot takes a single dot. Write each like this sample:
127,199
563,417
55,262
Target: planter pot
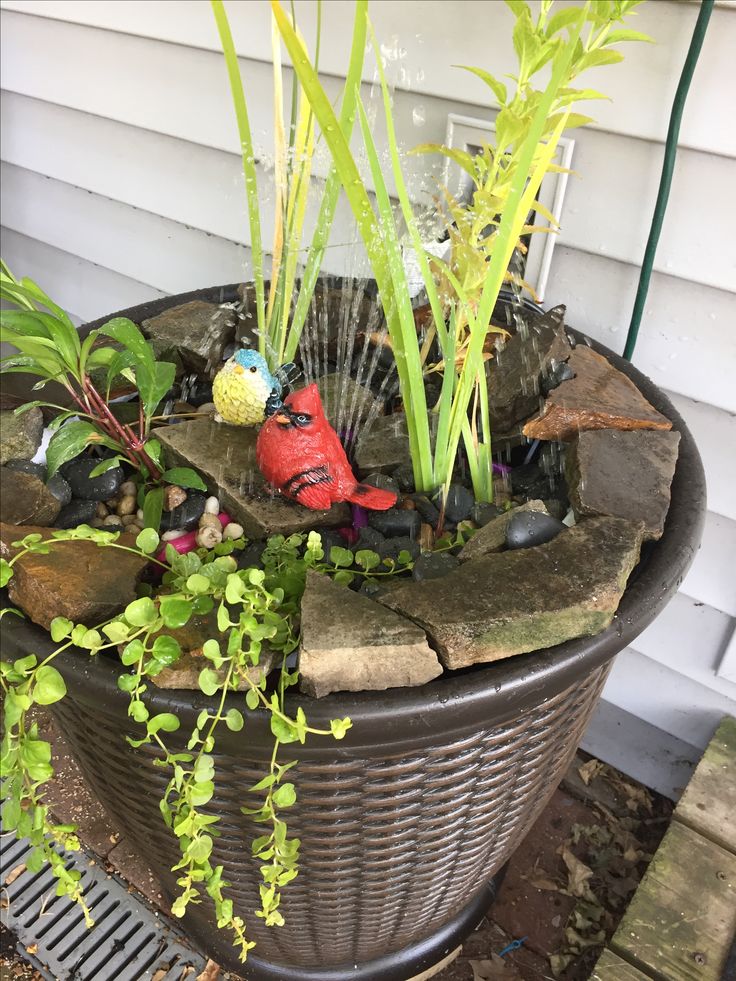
404,823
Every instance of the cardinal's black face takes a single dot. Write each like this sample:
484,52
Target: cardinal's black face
288,419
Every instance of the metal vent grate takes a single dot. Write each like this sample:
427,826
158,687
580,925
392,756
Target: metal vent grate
127,943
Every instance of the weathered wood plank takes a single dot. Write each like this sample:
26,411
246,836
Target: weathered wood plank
610,967
708,805
682,919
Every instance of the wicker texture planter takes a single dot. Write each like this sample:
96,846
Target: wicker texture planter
405,822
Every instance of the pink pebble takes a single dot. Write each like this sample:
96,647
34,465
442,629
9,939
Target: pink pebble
185,543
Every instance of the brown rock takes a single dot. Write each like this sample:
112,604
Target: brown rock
78,579
20,435
383,447
197,331
492,536
524,600
225,456
350,643
25,500
515,371
599,397
627,475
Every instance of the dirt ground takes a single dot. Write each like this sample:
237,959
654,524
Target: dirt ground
565,890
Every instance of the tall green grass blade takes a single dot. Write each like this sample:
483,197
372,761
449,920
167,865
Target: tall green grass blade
249,164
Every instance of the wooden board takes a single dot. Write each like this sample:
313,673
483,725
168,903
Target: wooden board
682,919
708,805
610,967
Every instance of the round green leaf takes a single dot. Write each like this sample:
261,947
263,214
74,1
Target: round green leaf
209,682
165,720
166,649
49,687
285,795
147,541
198,583
234,720
175,611
60,628
141,612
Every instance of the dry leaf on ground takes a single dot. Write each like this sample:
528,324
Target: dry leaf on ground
14,873
578,876
495,969
210,973
590,770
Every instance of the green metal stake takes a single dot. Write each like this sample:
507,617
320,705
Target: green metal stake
665,181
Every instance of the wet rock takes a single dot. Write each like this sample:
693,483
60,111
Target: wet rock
225,457
346,402
78,579
187,514
351,643
483,513
627,475
370,538
434,565
250,557
20,435
173,497
25,466
77,473
382,480
60,488
512,602
428,511
196,331
558,373
491,537
404,477
531,482
76,513
525,530
390,548
519,363
394,522
459,503
384,447
598,397
25,500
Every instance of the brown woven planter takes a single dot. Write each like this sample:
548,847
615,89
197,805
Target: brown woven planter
405,822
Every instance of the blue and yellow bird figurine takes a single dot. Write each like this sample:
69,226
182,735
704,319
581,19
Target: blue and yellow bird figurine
244,389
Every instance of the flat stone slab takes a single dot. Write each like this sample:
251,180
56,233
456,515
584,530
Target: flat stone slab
598,397
492,536
624,474
512,602
197,331
384,447
515,371
25,500
20,435
351,643
77,579
225,456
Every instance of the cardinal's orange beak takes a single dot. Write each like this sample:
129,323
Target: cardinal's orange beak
282,419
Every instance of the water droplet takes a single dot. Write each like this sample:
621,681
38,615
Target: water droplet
419,115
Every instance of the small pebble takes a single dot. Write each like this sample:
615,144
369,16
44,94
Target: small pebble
112,503
406,504
170,536
127,488
529,528
96,523
483,513
173,497
128,519
99,488
139,514
209,536
233,530
458,503
208,520
404,478
212,506
187,515
133,529
112,519
395,522
102,511
208,409
60,488
127,505
428,511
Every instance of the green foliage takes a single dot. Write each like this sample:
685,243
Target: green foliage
50,348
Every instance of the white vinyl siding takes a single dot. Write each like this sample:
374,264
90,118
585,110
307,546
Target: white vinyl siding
121,182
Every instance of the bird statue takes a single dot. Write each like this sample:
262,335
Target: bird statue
301,456
243,389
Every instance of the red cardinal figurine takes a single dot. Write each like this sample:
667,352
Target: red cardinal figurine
300,455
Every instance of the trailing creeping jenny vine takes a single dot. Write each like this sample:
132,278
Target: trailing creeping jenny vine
254,606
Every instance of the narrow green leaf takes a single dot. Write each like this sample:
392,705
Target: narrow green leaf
184,477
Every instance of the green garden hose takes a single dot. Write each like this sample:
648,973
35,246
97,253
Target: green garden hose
668,166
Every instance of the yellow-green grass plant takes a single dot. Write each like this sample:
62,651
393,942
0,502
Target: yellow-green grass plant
279,322
433,468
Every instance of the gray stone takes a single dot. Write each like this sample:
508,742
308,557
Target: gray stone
428,511
434,565
383,481
101,488
197,331
345,401
225,457
76,513
384,447
624,474
187,514
351,643
513,602
60,488
395,522
492,536
20,435
391,548
25,466
483,513
25,500
531,529
515,372
404,477
459,503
